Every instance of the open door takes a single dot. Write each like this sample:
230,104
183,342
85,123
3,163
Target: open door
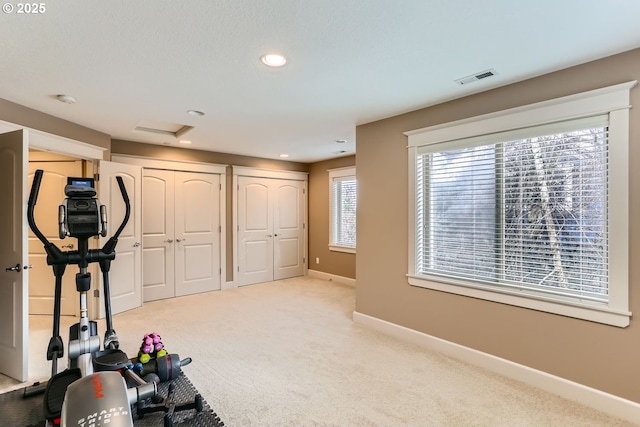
14,280
126,270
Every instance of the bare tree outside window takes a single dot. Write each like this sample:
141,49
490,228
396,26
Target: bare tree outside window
526,213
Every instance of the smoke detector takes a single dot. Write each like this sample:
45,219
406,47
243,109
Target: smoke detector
476,77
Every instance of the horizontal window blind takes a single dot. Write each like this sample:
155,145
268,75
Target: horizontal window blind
525,210
343,204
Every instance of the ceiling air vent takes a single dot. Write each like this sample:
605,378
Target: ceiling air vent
162,128
475,77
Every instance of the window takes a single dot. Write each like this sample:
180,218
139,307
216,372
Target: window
343,195
527,207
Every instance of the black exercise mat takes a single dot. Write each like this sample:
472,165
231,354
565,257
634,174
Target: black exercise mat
16,411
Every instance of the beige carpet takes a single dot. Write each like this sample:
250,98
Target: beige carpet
287,353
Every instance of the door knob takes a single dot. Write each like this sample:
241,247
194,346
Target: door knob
169,241
136,244
181,240
17,268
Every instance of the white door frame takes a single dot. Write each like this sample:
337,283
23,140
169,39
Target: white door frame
40,140
57,144
263,173
45,141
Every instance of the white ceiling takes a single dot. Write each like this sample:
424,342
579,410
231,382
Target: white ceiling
349,62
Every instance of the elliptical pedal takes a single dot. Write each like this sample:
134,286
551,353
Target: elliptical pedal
110,360
55,391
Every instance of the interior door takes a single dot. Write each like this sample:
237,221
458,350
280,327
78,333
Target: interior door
14,279
125,276
158,241
288,229
42,280
255,231
197,232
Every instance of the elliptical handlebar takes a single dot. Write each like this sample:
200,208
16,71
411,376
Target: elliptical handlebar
109,246
127,206
33,199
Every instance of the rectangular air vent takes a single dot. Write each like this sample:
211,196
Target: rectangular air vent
475,77
163,128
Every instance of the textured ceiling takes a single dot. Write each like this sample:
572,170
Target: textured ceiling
349,62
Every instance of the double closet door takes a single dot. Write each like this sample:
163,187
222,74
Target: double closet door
271,229
181,233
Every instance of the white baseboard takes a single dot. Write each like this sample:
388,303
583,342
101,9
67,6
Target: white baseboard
332,277
228,285
597,399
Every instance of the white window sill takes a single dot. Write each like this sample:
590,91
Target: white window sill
594,313
346,249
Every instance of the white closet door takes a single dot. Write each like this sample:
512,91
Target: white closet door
288,227
125,277
255,231
159,237
197,231
271,231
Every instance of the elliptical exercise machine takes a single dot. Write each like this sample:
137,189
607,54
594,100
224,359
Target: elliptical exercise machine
92,389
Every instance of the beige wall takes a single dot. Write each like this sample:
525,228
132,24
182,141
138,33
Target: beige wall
600,356
331,262
181,154
20,115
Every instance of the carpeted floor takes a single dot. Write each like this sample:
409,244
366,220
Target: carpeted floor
287,353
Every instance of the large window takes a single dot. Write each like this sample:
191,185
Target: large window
531,214
343,195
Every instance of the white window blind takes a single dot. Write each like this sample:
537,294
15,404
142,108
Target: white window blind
524,210
343,195
527,206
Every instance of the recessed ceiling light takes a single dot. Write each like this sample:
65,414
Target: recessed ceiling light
195,113
184,141
273,60
67,99
341,141
284,156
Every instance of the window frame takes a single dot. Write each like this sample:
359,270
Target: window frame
613,101
339,173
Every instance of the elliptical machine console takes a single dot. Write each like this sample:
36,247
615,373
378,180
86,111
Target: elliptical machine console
81,214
